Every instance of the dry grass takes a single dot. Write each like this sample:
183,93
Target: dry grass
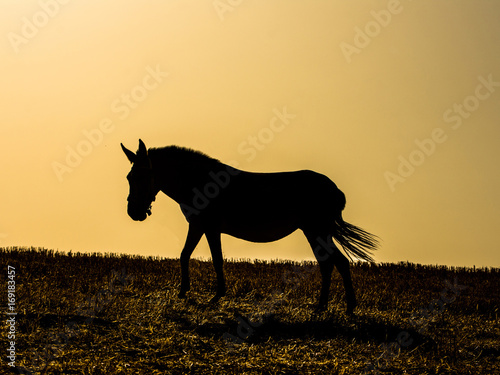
91,314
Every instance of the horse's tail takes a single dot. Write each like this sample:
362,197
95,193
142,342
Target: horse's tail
354,240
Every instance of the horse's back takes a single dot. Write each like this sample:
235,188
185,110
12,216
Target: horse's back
298,188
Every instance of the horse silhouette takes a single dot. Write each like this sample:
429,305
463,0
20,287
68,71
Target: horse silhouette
216,198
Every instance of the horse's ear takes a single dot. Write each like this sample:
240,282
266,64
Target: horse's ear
142,149
130,155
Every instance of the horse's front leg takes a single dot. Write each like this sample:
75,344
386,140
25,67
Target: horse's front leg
192,239
213,239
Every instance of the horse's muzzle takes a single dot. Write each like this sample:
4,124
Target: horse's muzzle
139,215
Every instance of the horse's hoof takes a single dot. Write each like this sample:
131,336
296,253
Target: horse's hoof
351,305
350,309
322,307
216,299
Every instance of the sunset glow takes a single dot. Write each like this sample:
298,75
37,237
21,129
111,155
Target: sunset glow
396,101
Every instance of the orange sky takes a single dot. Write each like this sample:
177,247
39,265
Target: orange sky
396,101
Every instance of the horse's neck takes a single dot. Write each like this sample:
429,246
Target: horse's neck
178,179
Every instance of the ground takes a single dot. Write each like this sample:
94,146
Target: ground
111,314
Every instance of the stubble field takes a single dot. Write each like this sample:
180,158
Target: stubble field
111,314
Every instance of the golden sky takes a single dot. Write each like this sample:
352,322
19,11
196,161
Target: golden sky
396,101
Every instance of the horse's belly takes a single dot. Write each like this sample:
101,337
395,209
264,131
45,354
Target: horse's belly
260,226
256,233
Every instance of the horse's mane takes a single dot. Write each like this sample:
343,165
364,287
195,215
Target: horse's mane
182,154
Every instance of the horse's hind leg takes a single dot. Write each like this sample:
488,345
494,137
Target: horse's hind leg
328,255
326,264
214,243
342,264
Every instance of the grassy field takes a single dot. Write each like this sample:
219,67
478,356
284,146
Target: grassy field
110,314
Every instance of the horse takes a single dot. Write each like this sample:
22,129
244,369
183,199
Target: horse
216,198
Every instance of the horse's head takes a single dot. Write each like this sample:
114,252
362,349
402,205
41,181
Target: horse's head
142,188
